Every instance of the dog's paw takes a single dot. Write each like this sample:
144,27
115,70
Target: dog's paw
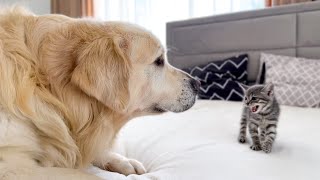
242,139
138,166
255,147
267,147
126,166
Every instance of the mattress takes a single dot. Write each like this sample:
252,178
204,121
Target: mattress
201,144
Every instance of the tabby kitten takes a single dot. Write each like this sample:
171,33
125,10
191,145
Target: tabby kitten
260,113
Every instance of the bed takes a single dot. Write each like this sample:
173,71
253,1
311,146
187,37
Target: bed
201,143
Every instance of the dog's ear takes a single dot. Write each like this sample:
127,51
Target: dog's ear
102,71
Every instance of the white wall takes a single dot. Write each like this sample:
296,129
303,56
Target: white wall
36,6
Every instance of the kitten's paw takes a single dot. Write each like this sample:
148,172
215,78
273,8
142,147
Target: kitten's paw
255,147
267,147
242,139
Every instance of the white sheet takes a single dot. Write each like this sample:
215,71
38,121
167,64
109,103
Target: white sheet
201,144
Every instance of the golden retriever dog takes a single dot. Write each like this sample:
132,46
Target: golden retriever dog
67,86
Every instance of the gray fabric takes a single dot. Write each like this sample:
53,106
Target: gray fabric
309,29
292,30
250,34
308,52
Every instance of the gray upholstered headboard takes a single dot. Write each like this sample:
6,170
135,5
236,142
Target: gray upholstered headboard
292,30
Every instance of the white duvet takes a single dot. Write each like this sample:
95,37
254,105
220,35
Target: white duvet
201,144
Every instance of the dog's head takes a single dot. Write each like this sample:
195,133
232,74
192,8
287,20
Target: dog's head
126,69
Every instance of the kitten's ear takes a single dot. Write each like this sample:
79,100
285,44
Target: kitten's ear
243,87
268,88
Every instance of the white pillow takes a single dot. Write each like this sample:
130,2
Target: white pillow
296,80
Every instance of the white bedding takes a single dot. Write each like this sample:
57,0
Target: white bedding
201,144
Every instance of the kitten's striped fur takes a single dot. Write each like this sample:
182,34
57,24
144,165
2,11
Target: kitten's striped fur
260,113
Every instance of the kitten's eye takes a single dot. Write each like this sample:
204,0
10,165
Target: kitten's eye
245,98
253,98
159,61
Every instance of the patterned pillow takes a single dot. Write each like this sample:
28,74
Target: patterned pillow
296,80
220,79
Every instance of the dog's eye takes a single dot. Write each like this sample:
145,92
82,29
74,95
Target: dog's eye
159,61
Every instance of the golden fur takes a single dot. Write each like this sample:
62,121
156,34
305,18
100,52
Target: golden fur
69,85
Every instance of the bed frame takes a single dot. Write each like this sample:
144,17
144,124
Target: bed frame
292,30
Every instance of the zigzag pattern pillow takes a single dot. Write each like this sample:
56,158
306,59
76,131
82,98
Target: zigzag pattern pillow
220,79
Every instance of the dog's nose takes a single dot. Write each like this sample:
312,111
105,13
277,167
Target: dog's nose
195,85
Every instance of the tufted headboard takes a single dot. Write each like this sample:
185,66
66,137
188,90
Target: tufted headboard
292,30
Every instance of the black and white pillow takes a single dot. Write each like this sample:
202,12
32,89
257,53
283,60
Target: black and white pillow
220,79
